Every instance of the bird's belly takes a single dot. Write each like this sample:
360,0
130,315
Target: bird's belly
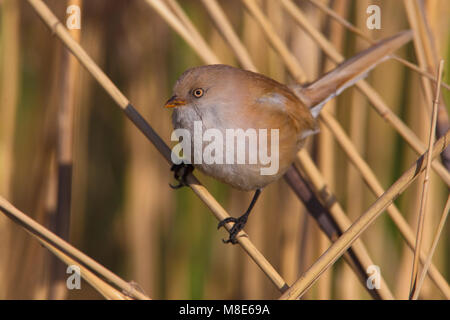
240,176
244,175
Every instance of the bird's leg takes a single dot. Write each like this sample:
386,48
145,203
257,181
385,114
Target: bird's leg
240,222
181,171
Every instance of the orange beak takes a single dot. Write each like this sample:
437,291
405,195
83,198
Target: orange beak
174,102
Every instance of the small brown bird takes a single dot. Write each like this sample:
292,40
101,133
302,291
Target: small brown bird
214,99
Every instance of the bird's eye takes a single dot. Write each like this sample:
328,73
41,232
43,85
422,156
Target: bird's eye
198,92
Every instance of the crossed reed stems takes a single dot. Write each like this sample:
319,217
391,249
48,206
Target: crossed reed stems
173,14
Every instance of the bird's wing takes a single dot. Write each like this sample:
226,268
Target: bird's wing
282,103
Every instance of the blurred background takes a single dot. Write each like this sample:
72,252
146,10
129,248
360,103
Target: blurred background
123,213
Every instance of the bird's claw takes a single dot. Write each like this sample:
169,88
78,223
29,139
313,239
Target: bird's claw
239,224
181,171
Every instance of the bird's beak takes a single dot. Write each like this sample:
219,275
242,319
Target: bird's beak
174,102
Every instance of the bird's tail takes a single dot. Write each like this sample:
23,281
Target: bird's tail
316,94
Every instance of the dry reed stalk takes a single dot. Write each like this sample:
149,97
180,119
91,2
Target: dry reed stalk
433,248
10,79
361,254
58,29
375,210
60,221
66,114
361,34
376,101
426,183
53,240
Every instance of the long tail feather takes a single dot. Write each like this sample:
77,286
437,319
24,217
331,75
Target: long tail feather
316,94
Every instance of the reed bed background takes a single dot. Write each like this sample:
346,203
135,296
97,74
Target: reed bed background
122,212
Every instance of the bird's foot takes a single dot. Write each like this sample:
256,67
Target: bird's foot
239,224
181,171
